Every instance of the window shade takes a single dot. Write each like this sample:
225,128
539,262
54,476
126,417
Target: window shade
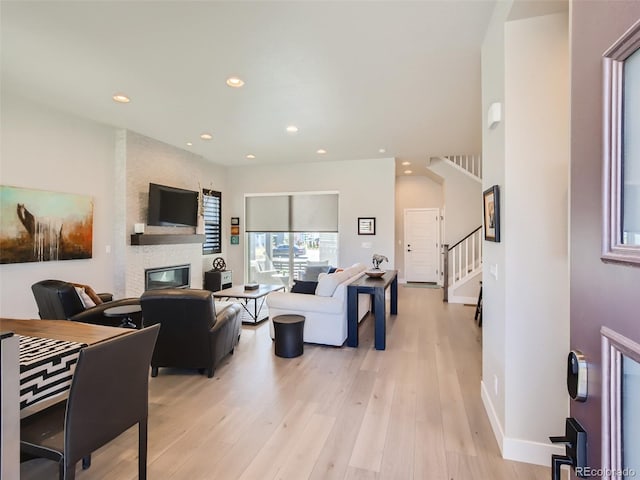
267,214
292,213
314,213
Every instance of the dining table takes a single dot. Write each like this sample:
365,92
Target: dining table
38,358
47,354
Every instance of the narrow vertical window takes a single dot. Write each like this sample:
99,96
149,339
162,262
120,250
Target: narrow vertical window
211,211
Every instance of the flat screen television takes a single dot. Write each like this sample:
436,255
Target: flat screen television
170,206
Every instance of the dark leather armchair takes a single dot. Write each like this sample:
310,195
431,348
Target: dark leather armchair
58,300
192,334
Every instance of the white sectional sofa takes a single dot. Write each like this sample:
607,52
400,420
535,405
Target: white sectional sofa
325,311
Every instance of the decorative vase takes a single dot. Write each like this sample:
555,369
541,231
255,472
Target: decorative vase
200,226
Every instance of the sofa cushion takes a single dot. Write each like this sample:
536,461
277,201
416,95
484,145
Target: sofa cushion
328,282
298,304
304,286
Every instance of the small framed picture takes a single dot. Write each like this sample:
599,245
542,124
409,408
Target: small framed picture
235,239
491,199
366,226
235,230
235,220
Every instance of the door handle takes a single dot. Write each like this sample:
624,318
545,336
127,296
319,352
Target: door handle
575,441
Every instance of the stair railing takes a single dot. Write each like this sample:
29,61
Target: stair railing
470,163
460,260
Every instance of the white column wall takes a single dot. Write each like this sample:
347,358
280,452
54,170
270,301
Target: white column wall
526,317
494,287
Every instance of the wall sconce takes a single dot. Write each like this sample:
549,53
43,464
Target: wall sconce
494,115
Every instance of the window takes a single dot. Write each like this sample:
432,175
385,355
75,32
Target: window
211,211
291,236
621,179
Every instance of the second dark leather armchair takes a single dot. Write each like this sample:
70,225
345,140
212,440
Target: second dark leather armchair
58,300
192,334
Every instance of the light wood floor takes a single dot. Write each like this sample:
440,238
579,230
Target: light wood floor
412,411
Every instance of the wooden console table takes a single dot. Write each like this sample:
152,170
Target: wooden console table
376,288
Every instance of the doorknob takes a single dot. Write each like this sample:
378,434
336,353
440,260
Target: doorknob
575,440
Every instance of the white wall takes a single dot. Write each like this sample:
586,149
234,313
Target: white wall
494,288
366,189
526,349
50,150
413,192
536,257
462,202
47,149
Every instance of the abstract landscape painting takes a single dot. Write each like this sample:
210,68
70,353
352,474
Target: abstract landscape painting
41,226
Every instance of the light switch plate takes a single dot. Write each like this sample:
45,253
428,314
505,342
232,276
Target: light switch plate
493,270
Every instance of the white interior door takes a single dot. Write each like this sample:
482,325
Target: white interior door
421,244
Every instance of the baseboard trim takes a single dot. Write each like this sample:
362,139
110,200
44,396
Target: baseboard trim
459,299
496,426
516,449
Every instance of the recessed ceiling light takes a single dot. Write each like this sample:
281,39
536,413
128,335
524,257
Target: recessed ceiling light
292,129
235,82
408,172
206,136
121,98
321,151
406,163
189,144
382,150
251,156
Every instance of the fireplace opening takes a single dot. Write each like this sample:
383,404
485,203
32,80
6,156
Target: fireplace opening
177,276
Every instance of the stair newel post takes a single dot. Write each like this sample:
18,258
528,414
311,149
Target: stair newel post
445,268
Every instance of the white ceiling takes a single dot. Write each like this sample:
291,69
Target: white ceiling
353,76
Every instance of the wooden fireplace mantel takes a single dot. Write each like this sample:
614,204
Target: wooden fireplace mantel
165,239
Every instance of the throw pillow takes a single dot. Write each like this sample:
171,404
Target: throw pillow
92,294
302,286
84,298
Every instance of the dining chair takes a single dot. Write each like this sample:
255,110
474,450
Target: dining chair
109,394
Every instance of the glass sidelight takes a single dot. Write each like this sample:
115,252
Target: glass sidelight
630,421
621,396
621,179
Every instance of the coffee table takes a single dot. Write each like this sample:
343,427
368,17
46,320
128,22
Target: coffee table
257,295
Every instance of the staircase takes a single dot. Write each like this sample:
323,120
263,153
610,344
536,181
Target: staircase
462,263
463,269
470,165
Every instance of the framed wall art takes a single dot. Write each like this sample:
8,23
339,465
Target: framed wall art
42,226
366,226
491,202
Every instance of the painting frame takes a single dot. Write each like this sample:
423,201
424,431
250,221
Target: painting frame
42,226
366,225
491,213
235,220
